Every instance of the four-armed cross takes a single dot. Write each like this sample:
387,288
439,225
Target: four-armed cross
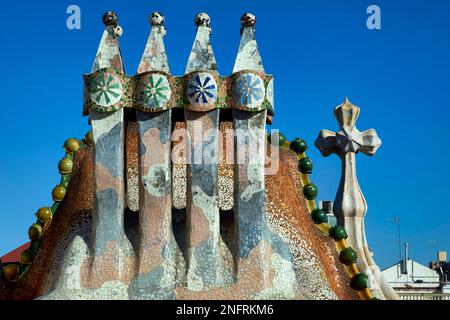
349,203
350,207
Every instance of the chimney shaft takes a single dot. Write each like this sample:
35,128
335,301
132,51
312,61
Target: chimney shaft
406,257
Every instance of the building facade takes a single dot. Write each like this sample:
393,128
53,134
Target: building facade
414,281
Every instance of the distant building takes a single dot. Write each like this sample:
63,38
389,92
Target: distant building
442,267
414,281
327,206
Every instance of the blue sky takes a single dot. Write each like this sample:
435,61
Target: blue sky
319,51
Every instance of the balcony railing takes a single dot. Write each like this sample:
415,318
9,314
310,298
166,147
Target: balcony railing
424,296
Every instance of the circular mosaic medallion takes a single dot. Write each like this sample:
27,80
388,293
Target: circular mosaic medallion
105,89
249,91
202,89
154,91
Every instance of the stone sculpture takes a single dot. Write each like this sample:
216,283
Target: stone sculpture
350,206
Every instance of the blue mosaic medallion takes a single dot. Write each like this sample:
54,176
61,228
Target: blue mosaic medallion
154,91
249,91
202,90
105,89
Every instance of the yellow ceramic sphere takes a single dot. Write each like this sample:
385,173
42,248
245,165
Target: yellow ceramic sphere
72,145
65,166
11,272
58,193
44,214
35,232
89,138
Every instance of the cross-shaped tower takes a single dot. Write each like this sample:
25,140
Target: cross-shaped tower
350,207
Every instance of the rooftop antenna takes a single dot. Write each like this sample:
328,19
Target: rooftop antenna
396,220
436,242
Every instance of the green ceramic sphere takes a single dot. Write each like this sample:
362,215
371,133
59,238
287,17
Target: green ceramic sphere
338,233
319,216
310,191
305,165
65,166
359,282
72,145
58,193
44,214
348,256
299,145
281,139
89,138
35,232
26,257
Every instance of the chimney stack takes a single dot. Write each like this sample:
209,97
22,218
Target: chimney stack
404,262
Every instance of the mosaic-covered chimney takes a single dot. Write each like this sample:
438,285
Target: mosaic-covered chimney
248,259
